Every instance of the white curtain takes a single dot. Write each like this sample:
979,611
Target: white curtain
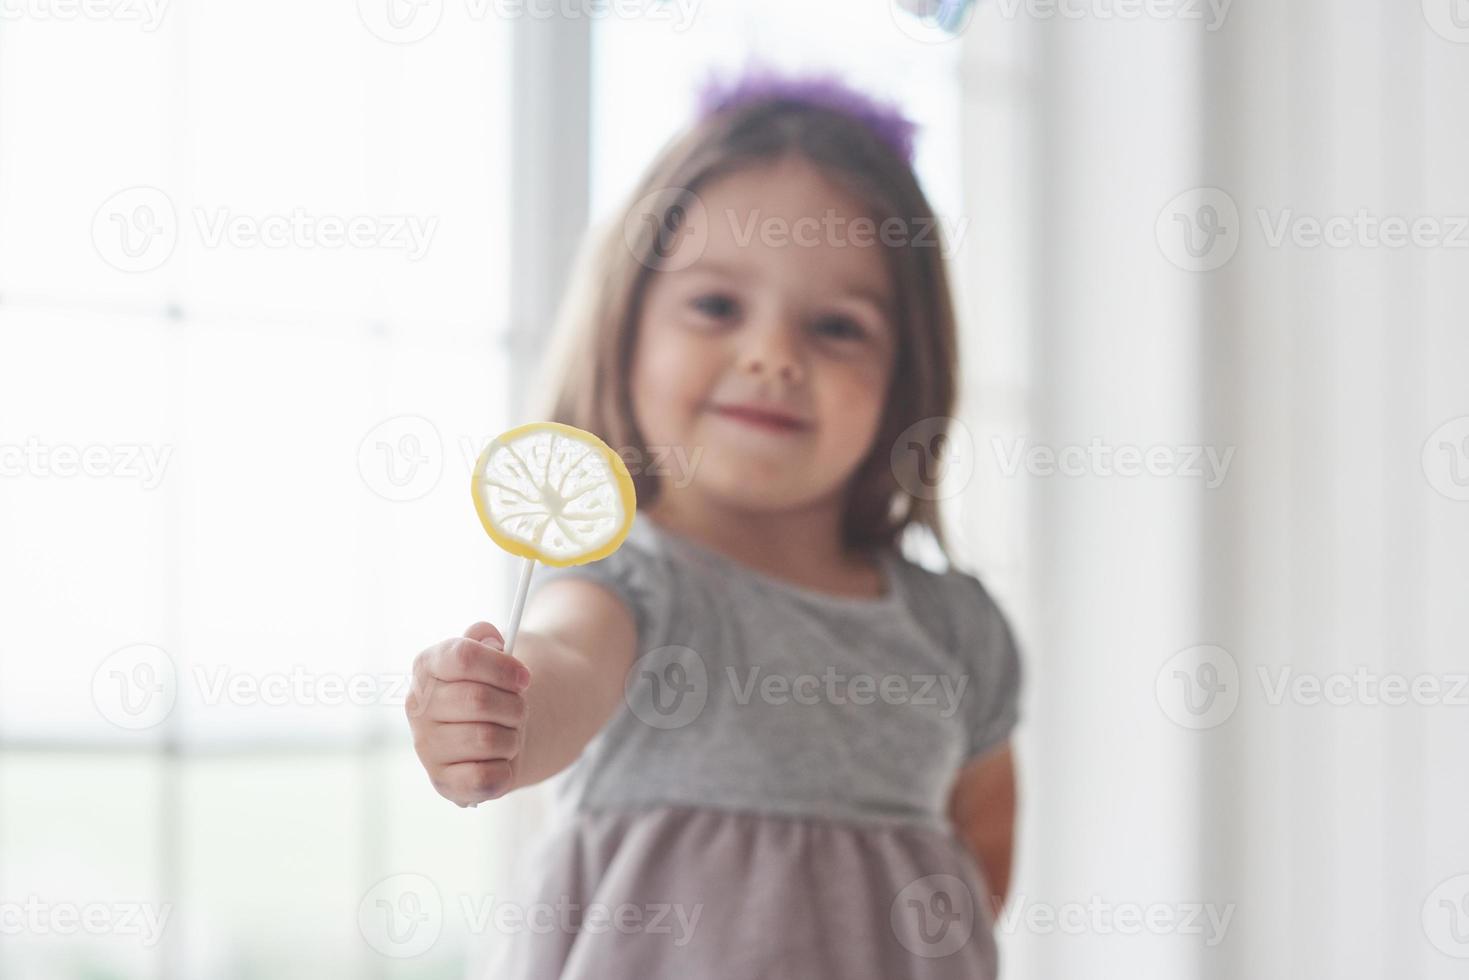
1309,818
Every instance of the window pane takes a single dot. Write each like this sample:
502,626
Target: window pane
647,72
271,865
88,474
90,891
84,110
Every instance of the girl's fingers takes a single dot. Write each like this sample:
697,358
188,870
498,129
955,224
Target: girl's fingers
468,783
470,741
486,633
472,701
470,660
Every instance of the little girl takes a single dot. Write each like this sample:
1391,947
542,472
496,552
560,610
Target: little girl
785,745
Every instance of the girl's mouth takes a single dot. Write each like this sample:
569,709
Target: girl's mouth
767,419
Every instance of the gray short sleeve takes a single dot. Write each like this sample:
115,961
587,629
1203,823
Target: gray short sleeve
986,644
635,573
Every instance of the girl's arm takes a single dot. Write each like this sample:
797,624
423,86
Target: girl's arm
480,734
578,641
982,808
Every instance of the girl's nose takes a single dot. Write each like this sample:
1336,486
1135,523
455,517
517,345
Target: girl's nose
770,351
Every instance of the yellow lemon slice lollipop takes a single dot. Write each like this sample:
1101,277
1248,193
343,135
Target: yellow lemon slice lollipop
555,494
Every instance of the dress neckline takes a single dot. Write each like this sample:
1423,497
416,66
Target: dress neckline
885,559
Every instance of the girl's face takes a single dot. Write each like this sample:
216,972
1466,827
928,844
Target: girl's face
766,356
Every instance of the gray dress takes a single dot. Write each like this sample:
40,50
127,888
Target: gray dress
769,800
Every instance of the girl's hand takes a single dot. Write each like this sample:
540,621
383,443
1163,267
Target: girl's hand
467,711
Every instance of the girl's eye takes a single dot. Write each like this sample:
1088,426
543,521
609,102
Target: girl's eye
716,305
840,328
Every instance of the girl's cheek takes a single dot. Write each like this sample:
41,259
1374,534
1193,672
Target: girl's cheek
673,369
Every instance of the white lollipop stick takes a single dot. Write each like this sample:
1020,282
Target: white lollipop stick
521,589
526,569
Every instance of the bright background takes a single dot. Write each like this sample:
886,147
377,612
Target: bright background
316,410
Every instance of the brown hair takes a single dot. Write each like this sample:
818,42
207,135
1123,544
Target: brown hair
592,350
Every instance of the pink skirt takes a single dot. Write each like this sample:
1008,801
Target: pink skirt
693,892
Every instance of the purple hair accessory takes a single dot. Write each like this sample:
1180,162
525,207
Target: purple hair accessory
885,120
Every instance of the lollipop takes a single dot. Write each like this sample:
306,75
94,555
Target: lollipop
555,494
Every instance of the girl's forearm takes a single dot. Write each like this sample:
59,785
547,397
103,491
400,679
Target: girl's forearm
570,698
